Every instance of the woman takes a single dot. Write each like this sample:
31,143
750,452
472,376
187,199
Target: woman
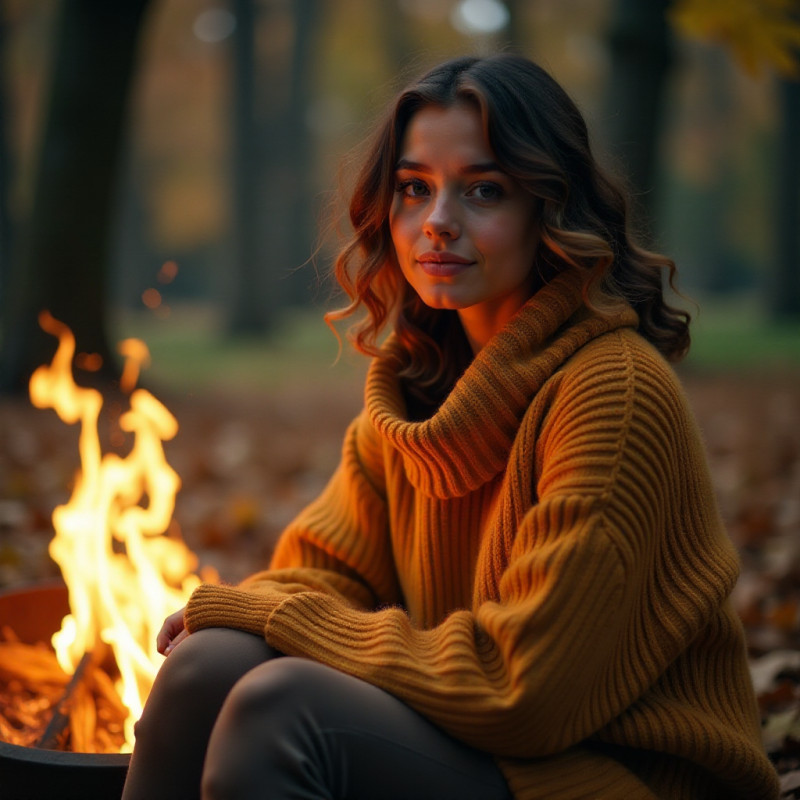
516,583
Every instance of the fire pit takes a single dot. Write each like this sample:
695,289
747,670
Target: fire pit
124,570
30,773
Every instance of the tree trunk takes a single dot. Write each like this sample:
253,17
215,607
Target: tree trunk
274,226
395,37
62,261
5,175
301,219
641,54
515,35
250,308
785,289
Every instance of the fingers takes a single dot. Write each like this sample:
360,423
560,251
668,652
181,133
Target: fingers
175,642
170,630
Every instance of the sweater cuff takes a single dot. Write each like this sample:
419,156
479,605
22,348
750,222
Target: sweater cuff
215,606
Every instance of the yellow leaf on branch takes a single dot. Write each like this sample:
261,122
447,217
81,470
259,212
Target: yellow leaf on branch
759,32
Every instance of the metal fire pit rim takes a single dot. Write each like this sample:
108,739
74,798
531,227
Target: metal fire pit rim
62,758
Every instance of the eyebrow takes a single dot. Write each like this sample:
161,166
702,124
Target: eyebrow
470,169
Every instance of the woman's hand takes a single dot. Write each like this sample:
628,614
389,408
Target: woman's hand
172,633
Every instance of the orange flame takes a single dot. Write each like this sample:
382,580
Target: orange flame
123,575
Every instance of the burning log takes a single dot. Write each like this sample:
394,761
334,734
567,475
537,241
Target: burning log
52,735
41,706
33,685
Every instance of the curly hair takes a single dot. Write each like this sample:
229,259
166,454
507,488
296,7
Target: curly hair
539,138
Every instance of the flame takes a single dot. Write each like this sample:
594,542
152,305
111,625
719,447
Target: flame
123,574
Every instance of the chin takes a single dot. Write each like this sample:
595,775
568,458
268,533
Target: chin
444,301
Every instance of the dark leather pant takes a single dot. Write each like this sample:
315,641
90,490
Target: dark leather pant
230,719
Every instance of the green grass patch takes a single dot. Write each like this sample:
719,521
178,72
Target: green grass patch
738,335
190,351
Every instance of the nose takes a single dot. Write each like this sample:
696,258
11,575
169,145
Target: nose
442,219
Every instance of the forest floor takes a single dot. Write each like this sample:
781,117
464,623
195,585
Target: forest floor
249,459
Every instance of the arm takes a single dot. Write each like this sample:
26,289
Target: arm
516,676
505,678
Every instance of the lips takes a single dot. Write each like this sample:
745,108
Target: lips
442,264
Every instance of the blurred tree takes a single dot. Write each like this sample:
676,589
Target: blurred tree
5,178
296,163
784,299
249,310
60,263
514,33
396,36
639,41
273,166
763,33
702,186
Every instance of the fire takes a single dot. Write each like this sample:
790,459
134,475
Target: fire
123,574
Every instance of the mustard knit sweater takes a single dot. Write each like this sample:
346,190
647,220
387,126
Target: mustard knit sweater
539,568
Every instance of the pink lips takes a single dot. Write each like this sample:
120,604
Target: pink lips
442,264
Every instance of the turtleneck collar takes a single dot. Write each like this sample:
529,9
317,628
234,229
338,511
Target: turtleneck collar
467,440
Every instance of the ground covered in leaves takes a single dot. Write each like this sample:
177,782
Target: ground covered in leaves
249,461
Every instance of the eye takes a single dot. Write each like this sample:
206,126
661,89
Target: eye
413,187
486,191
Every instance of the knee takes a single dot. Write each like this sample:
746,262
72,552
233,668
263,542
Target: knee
267,690
287,698
266,733
195,661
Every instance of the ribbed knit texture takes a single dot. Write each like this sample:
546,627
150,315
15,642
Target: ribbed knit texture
539,568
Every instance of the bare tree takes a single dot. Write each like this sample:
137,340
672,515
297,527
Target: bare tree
299,217
396,37
249,307
784,300
641,54
5,177
273,163
61,263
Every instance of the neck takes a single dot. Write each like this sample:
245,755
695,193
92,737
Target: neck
481,324
483,320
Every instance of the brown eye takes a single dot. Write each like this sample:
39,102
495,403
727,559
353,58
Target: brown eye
412,188
486,191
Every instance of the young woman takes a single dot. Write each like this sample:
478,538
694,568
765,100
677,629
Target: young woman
516,583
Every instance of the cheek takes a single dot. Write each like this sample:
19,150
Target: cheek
401,230
496,236
397,249
512,236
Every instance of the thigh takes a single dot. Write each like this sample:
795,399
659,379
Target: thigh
189,690
307,731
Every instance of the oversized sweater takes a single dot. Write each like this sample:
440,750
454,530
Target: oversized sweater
539,568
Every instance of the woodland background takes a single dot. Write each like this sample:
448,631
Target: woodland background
171,170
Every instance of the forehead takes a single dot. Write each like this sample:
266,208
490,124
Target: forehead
454,134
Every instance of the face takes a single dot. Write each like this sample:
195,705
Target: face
464,231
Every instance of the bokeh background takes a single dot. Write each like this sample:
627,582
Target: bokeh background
168,166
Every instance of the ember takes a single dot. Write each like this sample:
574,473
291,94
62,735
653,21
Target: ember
123,573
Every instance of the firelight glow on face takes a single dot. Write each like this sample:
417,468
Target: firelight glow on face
464,231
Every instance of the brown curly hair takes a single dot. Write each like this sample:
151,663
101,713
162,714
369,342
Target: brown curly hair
539,138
